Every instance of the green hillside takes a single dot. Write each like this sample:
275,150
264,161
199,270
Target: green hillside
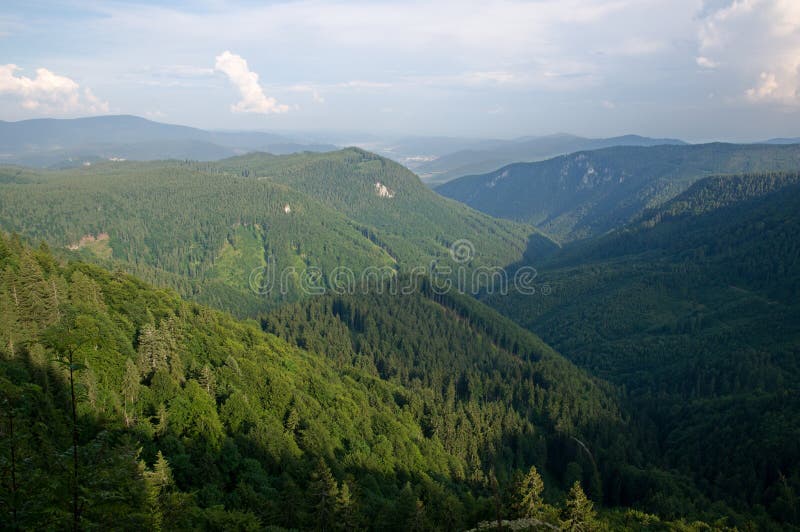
204,228
693,310
490,156
589,193
182,418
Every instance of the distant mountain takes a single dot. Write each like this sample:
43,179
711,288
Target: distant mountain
48,142
414,152
795,140
491,155
588,193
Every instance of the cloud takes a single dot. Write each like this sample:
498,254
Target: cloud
705,62
757,42
253,98
310,89
766,88
363,84
608,104
48,92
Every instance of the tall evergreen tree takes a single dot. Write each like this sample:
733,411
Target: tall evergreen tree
324,495
578,514
130,391
529,494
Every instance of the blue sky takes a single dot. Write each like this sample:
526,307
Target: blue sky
699,70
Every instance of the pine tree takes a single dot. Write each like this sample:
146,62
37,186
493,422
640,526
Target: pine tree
291,503
208,381
348,513
529,495
324,492
161,425
579,514
406,507
152,353
34,293
130,391
159,483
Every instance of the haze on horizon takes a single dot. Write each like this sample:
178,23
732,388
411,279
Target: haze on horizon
698,70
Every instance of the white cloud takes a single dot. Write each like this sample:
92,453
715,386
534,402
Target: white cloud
359,84
705,62
757,42
766,88
253,98
48,92
499,77
310,89
608,104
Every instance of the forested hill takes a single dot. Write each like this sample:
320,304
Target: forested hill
738,228
694,310
488,156
204,228
717,192
186,419
588,193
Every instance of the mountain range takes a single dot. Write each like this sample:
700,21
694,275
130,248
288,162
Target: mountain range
590,192
491,155
48,142
647,376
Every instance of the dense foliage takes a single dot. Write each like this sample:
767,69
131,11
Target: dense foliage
418,410
203,228
589,193
693,310
182,418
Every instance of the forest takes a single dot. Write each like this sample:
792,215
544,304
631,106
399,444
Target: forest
653,386
201,228
126,407
692,311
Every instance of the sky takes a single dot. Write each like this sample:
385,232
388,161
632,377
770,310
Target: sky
693,69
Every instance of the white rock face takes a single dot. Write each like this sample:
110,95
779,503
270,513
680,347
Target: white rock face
383,191
287,209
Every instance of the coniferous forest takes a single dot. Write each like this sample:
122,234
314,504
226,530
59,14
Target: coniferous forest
400,266
659,394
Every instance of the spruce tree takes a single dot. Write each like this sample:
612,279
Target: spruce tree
579,514
130,391
324,492
529,495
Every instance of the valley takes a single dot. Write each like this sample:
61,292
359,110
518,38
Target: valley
622,393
